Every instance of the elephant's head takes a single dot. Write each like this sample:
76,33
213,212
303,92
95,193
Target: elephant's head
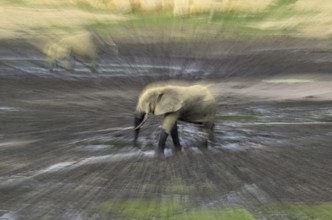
104,43
158,101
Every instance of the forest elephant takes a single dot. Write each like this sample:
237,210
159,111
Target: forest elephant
193,103
85,47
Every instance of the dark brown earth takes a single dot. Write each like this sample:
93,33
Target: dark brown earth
66,138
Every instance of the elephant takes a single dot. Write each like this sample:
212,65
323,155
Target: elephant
193,103
84,47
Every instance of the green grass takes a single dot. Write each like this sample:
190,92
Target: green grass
216,214
188,29
203,26
299,211
229,25
140,209
275,10
14,2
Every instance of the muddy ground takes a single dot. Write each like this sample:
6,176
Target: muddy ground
66,137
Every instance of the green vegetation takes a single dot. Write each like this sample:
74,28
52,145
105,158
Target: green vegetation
239,24
228,24
140,209
280,3
166,209
299,211
225,24
15,2
274,21
216,214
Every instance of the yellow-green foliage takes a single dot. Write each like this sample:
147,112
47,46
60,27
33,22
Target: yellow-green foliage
166,209
299,211
245,5
178,7
140,209
216,214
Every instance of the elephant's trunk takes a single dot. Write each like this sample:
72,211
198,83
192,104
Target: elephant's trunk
146,116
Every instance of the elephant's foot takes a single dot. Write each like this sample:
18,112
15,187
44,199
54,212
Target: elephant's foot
178,149
136,145
159,153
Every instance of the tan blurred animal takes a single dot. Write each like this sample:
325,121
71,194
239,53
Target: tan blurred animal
184,102
84,47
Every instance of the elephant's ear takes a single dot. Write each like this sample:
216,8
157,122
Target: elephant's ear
168,101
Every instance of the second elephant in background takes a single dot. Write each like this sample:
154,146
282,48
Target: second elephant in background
85,47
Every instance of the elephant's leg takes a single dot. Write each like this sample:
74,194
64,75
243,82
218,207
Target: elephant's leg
208,128
66,63
89,62
137,121
168,125
162,143
70,60
51,66
72,63
175,138
94,67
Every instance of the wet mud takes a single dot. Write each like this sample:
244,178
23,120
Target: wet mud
66,137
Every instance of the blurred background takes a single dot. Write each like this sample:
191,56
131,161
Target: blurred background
70,76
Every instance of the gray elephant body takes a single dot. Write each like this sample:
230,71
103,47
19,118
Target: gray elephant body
188,103
85,47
